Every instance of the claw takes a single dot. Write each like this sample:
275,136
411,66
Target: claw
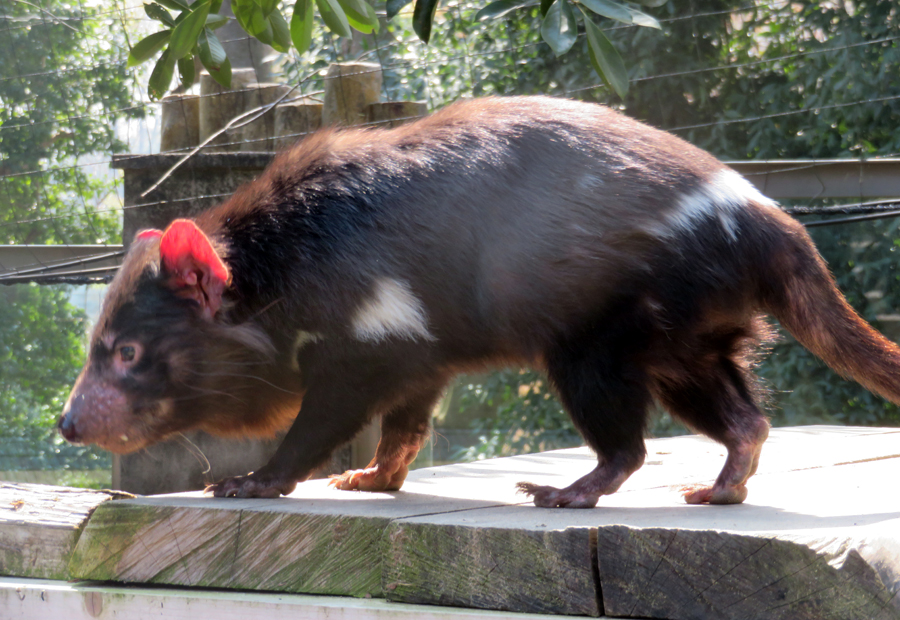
251,485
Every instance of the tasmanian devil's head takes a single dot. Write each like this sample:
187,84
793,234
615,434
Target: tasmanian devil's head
161,358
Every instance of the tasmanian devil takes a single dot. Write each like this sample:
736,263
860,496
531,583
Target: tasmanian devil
365,268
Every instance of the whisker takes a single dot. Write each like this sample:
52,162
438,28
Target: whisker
205,392
242,376
196,451
265,309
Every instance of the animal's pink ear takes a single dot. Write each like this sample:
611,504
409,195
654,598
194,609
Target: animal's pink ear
194,268
149,233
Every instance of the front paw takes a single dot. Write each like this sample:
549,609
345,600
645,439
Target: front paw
257,484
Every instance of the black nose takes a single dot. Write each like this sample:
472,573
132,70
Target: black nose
67,429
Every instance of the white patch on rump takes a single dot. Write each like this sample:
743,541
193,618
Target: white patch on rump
725,192
393,310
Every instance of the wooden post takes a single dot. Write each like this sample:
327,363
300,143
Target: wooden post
180,126
257,136
218,105
349,88
395,113
294,119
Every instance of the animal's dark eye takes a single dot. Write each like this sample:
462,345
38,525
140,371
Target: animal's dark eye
127,355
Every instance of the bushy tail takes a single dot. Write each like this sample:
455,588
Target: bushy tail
802,295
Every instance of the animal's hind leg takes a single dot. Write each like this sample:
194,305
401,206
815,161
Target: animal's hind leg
715,400
403,431
607,397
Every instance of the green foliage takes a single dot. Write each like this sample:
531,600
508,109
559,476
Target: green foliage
559,28
604,55
528,418
185,36
57,83
190,35
766,64
41,351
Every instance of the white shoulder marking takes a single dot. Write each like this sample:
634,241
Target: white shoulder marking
725,192
393,310
303,338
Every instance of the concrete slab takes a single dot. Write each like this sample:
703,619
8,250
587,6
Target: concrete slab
34,599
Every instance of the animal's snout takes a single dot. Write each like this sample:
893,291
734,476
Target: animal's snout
67,421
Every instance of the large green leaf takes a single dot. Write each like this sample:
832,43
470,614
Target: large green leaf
260,27
175,5
215,21
360,15
147,47
605,58
213,57
185,34
606,8
393,7
423,16
242,10
267,6
301,25
161,76
501,8
253,19
334,17
639,18
157,12
653,3
212,54
281,32
186,70
559,28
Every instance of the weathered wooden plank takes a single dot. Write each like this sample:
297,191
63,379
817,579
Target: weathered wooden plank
460,535
22,599
232,544
317,541
39,526
815,544
508,569
819,536
673,574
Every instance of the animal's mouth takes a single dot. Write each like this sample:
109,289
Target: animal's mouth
122,444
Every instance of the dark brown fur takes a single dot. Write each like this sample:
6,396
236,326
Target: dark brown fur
367,268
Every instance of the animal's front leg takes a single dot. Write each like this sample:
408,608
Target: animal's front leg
403,431
331,415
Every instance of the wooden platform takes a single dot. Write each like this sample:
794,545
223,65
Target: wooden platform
818,538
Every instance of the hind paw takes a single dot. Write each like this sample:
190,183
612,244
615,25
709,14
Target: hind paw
551,497
725,494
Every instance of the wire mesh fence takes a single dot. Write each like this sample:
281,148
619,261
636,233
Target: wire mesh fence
809,80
